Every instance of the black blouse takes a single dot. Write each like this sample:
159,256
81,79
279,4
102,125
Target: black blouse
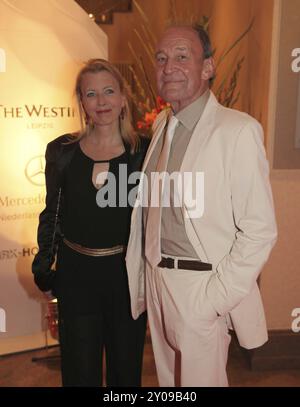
84,221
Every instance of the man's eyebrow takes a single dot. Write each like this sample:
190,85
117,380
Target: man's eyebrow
177,48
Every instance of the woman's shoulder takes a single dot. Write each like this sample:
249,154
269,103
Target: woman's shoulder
60,145
65,139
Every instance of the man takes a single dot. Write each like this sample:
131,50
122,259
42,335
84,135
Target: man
203,279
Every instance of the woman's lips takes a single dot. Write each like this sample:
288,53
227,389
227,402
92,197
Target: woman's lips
103,111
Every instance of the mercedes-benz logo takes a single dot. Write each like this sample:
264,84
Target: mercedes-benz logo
35,170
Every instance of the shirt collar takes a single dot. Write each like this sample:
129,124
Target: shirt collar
190,115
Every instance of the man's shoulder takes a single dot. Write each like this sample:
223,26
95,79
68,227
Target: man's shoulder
235,119
236,115
228,112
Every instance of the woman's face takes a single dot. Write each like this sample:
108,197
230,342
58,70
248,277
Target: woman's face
101,98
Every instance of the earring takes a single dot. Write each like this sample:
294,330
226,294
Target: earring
89,121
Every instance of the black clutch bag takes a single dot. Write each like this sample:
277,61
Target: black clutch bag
44,276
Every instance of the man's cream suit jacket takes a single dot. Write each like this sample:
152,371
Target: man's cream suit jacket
237,229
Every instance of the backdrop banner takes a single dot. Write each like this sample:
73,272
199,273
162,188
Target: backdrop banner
42,47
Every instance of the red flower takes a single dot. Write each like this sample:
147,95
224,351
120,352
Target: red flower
150,117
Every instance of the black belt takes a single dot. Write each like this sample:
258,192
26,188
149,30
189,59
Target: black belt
169,263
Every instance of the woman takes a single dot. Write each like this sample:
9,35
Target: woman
90,280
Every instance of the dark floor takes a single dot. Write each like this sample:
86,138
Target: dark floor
19,371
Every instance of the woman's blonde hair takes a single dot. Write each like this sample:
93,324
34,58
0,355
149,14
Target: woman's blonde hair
128,133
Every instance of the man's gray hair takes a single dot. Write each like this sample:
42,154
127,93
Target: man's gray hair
204,39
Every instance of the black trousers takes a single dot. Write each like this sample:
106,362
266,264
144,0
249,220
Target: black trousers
94,315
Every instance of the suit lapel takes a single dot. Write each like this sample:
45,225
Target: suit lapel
158,128
157,131
201,132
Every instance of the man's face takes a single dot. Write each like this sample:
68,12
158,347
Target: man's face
182,71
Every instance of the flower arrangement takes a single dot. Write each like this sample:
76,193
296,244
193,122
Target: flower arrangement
147,120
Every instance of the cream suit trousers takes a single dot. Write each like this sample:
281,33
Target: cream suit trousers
190,342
